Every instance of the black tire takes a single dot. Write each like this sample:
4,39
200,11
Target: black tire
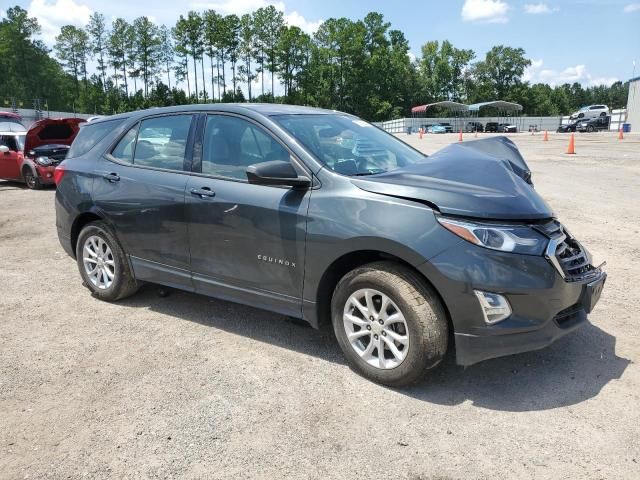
603,114
123,284
32,180
424,314
590,128
580,115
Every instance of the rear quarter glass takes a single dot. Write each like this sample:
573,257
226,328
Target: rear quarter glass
90,135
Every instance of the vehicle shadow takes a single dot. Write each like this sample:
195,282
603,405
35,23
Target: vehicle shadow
573,369
570,371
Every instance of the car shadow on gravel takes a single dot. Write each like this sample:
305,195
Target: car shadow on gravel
570,371
260,325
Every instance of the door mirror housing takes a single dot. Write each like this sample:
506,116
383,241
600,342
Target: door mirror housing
4,149
276,172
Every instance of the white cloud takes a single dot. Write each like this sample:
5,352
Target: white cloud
295,19
536,73
491,11
2,14
632,7
53,14
538,8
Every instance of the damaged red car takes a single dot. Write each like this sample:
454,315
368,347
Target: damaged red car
31,157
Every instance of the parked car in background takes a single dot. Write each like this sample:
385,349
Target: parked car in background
594,124
568,127
44,147
447,126
491,127
11,122
507,128
472,127
11,153
590,111
436,128
319,215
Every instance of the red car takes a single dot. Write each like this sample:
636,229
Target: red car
31,157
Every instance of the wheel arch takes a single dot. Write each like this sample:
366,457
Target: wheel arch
78,224
354,259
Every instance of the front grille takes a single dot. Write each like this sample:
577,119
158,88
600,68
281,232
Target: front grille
569,257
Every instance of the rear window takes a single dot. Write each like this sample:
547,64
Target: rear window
90,134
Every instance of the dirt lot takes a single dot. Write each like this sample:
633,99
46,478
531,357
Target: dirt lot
187,386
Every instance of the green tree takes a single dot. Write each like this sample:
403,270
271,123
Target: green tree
72,48
118,45
501,70
147,49
268,23
98,35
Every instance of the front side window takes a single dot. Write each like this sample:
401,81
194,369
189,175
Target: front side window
349,146
231,144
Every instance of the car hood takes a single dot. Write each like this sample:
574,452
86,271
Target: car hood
485,179
60,131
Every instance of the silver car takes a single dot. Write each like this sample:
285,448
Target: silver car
591,111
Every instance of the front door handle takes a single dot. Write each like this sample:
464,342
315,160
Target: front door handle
203,192
112,177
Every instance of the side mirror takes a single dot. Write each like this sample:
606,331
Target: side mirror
4,149
276,172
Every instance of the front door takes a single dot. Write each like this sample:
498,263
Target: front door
10,161
247,241
140,188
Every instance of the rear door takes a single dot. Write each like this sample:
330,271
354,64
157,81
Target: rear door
9,161
141,187
247,241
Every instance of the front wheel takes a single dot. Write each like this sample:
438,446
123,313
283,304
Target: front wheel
389,323
32,180
103,264
590,129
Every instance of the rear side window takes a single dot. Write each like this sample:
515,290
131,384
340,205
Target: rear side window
90,134
162,142
124,149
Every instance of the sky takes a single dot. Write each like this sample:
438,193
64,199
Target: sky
588,41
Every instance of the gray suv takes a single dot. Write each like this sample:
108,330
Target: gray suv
319,215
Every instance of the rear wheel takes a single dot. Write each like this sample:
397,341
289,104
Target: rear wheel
590,128
390,325
103,264
32,180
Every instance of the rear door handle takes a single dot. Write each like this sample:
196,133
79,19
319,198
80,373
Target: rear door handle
203,192
112,177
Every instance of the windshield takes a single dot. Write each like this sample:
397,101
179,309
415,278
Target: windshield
349,146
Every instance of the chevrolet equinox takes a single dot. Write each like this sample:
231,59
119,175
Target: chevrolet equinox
319,215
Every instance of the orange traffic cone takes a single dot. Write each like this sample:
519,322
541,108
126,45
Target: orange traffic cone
572,145
460,136
620,134
420,133
546,136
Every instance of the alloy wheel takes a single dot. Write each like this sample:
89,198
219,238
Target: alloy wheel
376,328
98,262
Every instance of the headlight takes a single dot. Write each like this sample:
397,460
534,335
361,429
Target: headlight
44,161
506,238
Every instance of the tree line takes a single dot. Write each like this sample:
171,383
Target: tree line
358,66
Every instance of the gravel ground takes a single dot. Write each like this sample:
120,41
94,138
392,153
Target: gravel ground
188,386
